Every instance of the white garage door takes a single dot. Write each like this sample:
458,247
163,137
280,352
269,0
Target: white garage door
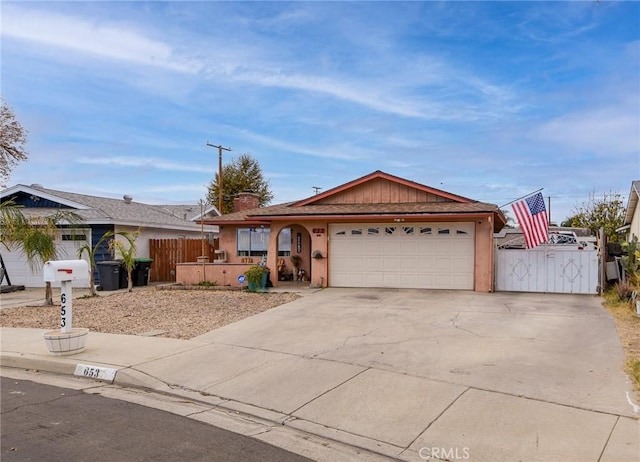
404,255
18,268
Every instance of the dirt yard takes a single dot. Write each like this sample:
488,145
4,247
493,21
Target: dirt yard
182,314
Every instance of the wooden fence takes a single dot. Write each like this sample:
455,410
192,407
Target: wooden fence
167,252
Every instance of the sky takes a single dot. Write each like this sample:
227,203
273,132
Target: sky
487,100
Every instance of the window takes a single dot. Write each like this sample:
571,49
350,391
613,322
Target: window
284,243
408,230
373,231
254,242
389,230
356,232
425,230
443,231
74,237
459,231
340,232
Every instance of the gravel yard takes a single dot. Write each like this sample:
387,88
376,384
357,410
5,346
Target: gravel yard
182,314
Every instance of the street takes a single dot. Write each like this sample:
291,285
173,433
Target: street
43,422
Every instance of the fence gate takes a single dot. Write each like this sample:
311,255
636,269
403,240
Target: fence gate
547,269
167,252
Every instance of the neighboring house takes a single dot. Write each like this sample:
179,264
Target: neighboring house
631,225
513,238
376,231
100,214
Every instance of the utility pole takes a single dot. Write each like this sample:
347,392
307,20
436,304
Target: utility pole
220,149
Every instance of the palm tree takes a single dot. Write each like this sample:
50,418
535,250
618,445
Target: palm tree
92,252
127,251
13,224
35,236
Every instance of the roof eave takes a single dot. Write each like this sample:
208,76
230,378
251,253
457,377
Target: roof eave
5,194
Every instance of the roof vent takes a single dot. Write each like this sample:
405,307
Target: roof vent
127,198
36,186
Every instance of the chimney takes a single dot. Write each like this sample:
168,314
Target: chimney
246,200
127,198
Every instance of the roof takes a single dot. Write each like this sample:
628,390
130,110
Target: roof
634,194
104,210
449,205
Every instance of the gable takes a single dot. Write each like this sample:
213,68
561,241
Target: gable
32,201
381,188
381,191
32,197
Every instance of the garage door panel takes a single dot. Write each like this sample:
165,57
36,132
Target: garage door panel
391,264
439,255
374,263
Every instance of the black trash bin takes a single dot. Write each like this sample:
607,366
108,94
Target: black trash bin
109,275
124,277
141,269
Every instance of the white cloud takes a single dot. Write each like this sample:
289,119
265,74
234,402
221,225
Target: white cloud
127,162
609,131
90,37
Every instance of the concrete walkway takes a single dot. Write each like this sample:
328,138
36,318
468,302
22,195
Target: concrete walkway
406,374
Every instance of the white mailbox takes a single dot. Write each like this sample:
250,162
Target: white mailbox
65,270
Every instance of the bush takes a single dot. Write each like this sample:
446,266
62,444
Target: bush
624,290
254,274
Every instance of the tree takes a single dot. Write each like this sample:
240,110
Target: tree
35,236
92,252
13,138
242,174
607,212
127,251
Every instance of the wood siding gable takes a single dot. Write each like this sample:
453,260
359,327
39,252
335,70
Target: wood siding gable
381,188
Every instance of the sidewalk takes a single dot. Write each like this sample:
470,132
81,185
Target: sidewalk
347,368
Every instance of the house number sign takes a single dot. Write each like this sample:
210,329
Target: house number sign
299,242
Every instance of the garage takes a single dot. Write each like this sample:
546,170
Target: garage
402,255
67,244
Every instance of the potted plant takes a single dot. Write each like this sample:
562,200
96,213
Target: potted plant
257,278
296,261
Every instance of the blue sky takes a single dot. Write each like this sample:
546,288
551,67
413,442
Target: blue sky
488,100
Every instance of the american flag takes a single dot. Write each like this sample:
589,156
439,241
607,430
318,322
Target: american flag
532,218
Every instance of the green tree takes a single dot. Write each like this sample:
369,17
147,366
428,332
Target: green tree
242,174
127,250
604,212
35,236
92,252
13,138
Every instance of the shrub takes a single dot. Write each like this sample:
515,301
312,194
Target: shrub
624,290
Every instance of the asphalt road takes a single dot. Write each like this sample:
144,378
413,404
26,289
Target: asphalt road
42,422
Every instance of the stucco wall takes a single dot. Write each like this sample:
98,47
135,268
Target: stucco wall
317,269
225,274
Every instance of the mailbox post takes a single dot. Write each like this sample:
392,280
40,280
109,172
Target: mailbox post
65,272
67,340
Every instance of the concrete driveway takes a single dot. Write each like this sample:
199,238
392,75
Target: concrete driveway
448,369
410,374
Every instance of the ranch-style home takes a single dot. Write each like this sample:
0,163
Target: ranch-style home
100,215
376,231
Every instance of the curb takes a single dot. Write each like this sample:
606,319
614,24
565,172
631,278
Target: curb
293,434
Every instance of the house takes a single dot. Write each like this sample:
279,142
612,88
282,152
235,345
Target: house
100,215
376,231
631,225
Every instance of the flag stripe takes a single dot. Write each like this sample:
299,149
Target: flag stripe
532,218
